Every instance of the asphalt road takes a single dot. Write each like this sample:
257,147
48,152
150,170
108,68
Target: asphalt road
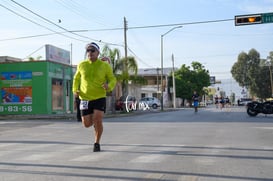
212,145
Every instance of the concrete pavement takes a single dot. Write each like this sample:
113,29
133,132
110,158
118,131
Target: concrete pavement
212,145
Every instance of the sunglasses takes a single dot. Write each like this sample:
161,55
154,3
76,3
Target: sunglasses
91,50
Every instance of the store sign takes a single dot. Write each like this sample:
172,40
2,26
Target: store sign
212,79
16,92
58,55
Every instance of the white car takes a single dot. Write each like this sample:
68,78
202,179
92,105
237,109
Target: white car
244,101
151,102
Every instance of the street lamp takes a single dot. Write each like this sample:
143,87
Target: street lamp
162,62
174,91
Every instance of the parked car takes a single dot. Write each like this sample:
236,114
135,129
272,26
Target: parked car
120,103
244,101
209,102
151,102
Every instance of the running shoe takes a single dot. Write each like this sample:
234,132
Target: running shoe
96,147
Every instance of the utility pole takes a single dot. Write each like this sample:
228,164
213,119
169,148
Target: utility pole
71,63
125,68
71,96
157,82
174,91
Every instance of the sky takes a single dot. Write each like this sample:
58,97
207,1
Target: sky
208,34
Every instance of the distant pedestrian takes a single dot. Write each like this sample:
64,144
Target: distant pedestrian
216,101
222,102
195,99
227,101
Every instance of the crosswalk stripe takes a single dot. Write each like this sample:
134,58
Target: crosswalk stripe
151,158
188,178
153,176
91,157
37,157
3,145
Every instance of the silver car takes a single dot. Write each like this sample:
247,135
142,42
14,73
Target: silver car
151,102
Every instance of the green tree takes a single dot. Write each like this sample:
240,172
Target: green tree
239,70
251,72
260,84
189,79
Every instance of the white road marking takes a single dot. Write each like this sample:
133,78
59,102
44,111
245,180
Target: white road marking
264,127
151,158
37,157
153,176
188,178
92,157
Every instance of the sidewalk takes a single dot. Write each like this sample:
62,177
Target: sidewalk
72,116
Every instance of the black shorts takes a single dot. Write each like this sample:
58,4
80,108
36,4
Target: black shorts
98,104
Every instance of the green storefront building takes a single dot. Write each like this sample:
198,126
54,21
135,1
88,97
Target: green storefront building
36,87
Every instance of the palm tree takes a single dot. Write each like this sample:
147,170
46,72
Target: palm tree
118,64
120,71
114,55
34,59
125,73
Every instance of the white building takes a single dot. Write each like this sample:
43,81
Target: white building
153,87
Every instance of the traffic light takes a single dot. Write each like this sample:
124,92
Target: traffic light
248,19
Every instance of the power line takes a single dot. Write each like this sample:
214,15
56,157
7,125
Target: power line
138,58
55,32
164,25
73,32
66,30
178,24
34,52
108,29
76,8
31,36
50,21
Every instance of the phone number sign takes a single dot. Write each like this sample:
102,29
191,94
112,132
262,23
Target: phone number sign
8,109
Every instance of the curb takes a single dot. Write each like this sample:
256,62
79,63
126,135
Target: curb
72,116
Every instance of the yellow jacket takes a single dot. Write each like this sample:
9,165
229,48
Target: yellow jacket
90,77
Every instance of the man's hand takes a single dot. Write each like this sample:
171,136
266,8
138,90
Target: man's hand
76,94
75,104
105,86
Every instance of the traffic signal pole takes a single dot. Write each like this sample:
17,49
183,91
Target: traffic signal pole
251,19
